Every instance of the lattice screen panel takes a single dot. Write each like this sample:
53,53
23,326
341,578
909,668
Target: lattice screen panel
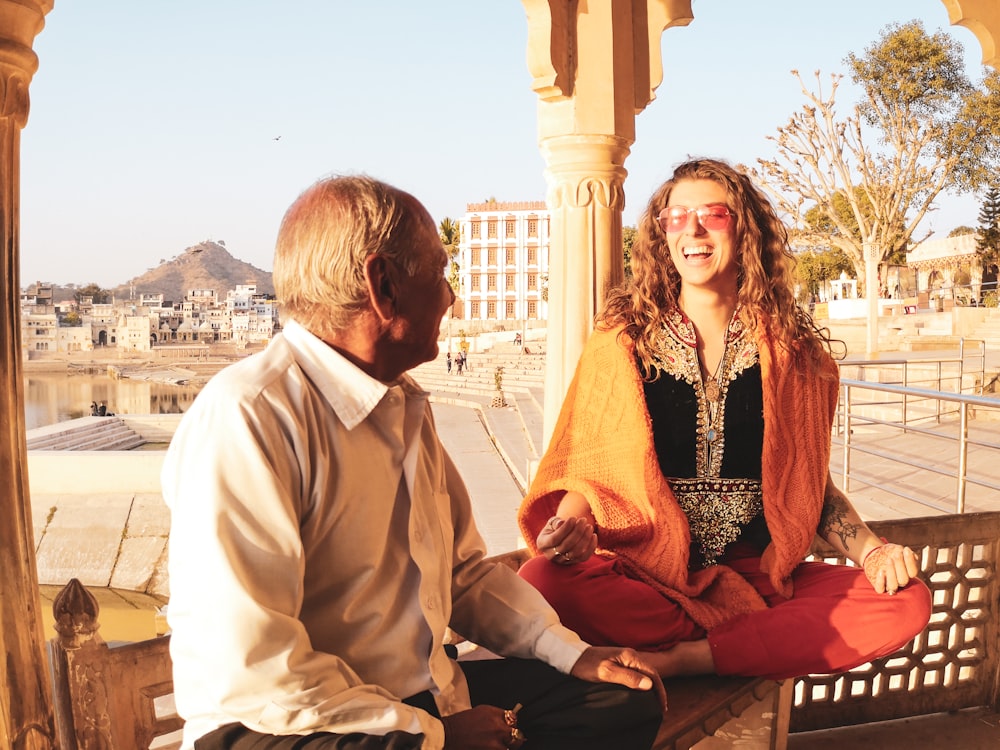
953,662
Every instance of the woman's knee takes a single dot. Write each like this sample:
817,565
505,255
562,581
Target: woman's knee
915,605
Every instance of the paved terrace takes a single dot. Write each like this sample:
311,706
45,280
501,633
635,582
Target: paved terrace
86,526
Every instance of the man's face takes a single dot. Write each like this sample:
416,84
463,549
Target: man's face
424,298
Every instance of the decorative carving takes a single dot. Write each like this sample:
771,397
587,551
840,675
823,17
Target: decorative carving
14,97
91,713
577,192
75,610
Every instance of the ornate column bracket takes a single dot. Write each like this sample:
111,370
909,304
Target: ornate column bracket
982,18
552,47
553,44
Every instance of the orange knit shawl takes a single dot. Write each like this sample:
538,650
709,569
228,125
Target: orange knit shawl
602,447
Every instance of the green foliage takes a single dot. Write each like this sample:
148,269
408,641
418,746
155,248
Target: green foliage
988,234
628,239
960,231
71,319
98,295
921,127
451,236
498,377
813,267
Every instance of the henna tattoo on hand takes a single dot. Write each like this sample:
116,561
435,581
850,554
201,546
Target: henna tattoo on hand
834,518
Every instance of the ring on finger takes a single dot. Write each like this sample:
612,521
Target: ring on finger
516,735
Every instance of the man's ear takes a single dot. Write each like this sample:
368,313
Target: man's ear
381,287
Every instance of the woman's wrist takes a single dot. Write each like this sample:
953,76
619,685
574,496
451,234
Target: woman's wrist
881,542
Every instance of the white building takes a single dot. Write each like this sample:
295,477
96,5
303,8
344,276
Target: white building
39,333
135,332
71,339
504,260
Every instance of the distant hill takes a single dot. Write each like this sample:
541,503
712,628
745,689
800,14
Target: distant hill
207,265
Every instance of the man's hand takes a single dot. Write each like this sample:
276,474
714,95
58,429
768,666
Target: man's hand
567,540
890,567
480,728
619,665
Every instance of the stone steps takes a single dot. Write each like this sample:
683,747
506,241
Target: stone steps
989,330
86,434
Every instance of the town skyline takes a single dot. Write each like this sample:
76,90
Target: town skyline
132,152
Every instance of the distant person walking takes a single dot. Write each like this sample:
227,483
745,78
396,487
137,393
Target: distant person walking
447,362
94,412
460,361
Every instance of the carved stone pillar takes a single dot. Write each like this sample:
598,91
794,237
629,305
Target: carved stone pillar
25,697
595,65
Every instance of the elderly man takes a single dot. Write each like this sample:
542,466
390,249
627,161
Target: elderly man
322,541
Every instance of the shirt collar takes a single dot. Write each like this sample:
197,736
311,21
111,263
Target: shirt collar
351,391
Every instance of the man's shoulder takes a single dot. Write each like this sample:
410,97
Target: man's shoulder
256,372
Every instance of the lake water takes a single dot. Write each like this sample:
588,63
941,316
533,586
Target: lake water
56,397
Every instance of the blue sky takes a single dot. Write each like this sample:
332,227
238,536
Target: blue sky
153,123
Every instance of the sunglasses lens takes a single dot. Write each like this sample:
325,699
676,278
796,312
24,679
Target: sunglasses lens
714,218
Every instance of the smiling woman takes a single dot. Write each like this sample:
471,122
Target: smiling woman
704,367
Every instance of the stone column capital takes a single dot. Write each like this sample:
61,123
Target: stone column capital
583,168
20,23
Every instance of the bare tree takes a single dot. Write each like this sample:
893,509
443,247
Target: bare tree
933,131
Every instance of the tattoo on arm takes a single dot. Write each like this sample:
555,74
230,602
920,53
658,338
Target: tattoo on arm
834,519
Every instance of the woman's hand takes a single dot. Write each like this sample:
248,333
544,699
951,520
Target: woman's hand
889,567
567,540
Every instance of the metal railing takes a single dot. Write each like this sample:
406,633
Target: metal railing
936,421
964,373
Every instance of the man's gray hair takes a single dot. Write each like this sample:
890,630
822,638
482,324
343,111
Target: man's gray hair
325,238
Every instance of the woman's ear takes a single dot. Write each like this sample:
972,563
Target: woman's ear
382,291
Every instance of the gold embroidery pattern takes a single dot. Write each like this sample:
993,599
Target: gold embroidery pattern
677,355
717,510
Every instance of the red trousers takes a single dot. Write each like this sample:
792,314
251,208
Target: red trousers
834,621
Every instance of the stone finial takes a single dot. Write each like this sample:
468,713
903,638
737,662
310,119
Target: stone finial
75,610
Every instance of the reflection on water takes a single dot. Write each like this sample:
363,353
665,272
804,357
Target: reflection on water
57,397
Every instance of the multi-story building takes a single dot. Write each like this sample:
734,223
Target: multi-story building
71,339
39,332
136,332
247,317
504,260
252,314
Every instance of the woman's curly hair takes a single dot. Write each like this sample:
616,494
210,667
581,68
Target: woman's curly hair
765,271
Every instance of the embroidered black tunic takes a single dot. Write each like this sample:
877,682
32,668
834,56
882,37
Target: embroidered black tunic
710,452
